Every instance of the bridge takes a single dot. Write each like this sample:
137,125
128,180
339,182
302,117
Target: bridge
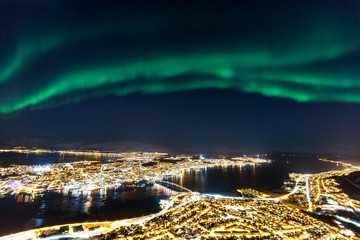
174,184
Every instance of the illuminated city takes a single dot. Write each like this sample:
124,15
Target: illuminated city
251,214
129,168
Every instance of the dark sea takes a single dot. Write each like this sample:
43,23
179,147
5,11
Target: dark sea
19,213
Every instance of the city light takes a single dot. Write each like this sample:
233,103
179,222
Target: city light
253,214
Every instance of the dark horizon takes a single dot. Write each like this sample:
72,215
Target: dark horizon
193,121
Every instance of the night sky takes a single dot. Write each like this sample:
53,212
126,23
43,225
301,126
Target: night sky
200,75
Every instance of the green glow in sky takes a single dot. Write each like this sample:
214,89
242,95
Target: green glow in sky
212,71
306,61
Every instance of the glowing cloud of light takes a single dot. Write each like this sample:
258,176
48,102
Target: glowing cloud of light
303,61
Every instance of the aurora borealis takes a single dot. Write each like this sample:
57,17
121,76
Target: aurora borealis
53,55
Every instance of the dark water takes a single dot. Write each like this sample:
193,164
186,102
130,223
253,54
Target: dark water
22,213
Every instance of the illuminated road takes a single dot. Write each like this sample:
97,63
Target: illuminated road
308,194
294,190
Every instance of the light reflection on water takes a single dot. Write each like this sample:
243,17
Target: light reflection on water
52,208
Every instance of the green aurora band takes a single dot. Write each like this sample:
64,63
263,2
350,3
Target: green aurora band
306,65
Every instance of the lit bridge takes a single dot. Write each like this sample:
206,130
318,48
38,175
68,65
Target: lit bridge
174,184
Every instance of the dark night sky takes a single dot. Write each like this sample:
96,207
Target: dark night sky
247,76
